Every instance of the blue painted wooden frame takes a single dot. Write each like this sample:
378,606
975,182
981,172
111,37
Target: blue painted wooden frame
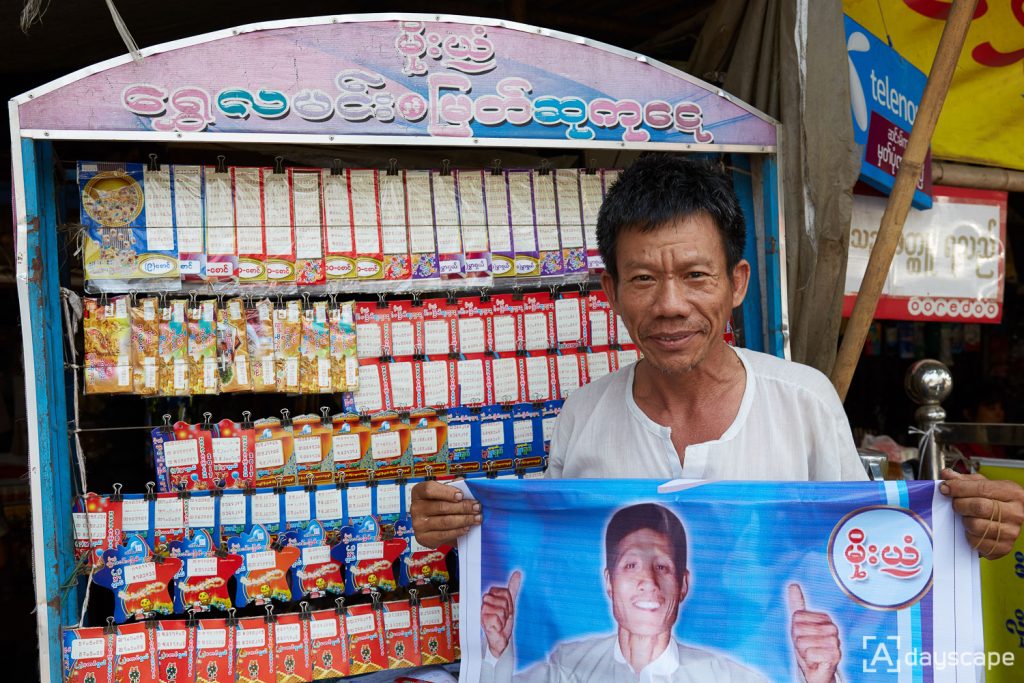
754,330
52,477
775,290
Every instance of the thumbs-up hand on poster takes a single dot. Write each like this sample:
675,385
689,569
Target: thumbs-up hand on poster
497,615
815,639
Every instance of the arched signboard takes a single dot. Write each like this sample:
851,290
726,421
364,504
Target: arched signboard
451,80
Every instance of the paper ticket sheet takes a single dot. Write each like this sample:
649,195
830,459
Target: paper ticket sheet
221,243
546,214
422,242
252,252
473,218
308,228
277,226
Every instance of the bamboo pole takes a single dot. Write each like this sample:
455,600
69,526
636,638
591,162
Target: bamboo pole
977,177
896,209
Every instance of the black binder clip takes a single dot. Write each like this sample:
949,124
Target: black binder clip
446,167
496,168
221,166
278,165
392,167
154,165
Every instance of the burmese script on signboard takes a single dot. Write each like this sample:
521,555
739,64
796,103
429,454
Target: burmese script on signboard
949,263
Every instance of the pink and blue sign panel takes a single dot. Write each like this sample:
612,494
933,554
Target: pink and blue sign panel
452,79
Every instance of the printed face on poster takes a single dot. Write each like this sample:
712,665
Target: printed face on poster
715,574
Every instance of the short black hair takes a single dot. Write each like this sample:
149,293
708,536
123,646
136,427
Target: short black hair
659,188
657,518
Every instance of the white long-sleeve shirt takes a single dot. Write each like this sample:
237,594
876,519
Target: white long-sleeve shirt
790,427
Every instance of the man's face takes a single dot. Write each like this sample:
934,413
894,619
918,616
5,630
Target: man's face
643,585
675,292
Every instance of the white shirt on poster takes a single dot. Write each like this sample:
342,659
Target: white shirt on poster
600,660
790,427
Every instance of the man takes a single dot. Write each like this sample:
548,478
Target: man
646,579
672,237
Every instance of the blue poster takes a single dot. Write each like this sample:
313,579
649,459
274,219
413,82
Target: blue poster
609,580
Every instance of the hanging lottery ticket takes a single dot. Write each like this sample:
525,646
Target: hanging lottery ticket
252,252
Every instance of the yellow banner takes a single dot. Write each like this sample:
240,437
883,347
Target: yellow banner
982,120
1002,597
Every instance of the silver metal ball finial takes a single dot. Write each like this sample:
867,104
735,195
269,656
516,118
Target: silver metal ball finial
928,382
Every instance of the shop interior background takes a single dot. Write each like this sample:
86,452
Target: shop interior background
72,35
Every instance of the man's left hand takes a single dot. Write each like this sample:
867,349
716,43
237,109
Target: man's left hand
815,639
992,510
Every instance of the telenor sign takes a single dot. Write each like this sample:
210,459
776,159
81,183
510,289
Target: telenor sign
885,91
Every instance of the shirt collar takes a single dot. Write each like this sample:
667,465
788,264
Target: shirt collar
662,430
665,664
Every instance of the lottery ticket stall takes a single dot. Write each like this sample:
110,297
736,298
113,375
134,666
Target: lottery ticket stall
341,254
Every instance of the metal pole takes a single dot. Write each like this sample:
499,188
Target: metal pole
928,383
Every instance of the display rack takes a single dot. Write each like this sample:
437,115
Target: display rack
367,88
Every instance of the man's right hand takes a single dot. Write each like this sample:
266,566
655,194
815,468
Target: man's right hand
440,515
497,614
